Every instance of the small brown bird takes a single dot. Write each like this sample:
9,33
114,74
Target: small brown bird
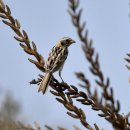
55,62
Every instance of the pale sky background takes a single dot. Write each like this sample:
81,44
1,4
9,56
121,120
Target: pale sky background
47,21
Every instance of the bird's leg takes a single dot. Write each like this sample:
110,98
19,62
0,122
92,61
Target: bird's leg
60,76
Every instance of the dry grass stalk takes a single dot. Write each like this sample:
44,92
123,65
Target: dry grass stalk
4,125
128,60
65,95
90,52
21,36
117,120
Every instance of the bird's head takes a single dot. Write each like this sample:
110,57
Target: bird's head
66,42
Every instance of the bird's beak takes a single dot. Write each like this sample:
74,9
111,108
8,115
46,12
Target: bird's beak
72,41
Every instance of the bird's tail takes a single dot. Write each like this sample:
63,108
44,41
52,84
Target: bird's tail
44,83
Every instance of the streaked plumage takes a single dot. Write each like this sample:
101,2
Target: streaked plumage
55,61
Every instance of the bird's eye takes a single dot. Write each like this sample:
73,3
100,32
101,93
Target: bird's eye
63,43
67,40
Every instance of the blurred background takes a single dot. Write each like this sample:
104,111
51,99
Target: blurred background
46,22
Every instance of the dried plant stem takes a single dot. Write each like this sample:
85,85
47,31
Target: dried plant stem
21,36
66,94
17,126
89,53
128,60
118,121
4,125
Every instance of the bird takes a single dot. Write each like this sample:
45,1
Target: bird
55,62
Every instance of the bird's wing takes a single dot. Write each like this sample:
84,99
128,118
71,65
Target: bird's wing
56,58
